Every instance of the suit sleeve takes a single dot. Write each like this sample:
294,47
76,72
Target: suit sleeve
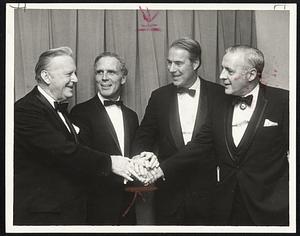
35,134
147,133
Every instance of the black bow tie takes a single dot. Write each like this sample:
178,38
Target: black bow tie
190,92
61,106
110,102
243,101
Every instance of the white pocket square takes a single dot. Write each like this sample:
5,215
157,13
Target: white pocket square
77,129
270,123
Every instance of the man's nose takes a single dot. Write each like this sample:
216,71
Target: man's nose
74,78
104,76
223,75
172,67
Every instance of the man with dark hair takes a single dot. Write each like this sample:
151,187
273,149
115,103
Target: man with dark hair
173,116
51,168
108,125
248,128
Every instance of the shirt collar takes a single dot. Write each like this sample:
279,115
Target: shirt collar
254,92
196,85
102,99
47,96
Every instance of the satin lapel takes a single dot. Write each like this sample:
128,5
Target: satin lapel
174,120
108,122
127,130
202,109
228,113
52,112
253,124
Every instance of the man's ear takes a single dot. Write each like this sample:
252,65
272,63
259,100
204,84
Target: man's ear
123,80
45,76
252,73
196,64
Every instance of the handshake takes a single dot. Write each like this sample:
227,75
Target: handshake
143,167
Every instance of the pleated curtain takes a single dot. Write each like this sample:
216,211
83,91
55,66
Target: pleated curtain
143,44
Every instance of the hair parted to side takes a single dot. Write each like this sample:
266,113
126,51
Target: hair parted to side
124,69
254,56
46,57
190,45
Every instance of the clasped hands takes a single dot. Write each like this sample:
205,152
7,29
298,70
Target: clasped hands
143,167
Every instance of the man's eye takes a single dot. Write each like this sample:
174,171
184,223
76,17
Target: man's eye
111,72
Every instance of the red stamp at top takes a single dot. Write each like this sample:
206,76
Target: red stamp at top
148,20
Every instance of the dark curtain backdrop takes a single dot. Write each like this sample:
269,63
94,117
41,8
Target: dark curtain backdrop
143,45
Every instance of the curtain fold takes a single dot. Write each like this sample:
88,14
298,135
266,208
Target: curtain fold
180,24
205,28
141,37
90,43
151,54
31,38
121,38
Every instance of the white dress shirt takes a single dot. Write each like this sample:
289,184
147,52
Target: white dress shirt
187,107
51,101
116,116
241,117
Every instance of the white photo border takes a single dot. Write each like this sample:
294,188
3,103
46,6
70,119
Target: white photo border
9,114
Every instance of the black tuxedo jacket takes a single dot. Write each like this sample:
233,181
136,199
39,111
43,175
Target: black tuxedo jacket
107,197
161,126
50,170
258,165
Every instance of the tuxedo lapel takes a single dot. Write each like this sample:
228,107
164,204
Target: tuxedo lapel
127,130
52,113
228,114
202,109
253,124
107,121
174,120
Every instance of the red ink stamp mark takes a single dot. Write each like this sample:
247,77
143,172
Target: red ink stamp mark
148,18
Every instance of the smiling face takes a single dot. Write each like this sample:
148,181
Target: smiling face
109,77
181,68
60,77
237,74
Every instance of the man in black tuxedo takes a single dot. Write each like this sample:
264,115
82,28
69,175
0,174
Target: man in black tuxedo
107,124
51,169
173,116
248,128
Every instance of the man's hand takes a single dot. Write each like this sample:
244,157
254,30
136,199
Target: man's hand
144,162
153,175
146,165
150,160
122,166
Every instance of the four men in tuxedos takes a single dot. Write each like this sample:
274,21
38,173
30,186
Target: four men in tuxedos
229,148
173,116
51,169
248,128
109,126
